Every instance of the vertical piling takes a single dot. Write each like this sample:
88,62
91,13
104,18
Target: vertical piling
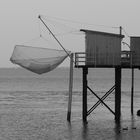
117,93
132,91
70,88
118,90
85,72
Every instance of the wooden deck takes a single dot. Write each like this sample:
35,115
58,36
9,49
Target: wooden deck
126,61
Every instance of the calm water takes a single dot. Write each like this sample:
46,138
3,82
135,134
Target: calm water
34,107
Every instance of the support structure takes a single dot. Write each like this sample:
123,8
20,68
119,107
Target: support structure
103,50
116,87
85,72
118,90
100,100
117,93
70,88
132,91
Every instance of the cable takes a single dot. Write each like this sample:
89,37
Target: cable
61,24
54,36
31,40
125,32
78,22
39,28
62,27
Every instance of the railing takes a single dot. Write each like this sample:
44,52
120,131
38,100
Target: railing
126,58
81,59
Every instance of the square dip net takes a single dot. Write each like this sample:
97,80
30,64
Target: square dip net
37,60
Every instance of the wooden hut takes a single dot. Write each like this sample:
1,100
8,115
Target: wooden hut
102,49
135,49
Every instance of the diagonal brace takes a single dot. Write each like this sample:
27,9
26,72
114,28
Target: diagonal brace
102,101
99,102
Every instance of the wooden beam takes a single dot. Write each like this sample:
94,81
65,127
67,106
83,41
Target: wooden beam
102,98
132,91
85,72
101,101
117,93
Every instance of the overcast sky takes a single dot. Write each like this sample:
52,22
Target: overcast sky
19,21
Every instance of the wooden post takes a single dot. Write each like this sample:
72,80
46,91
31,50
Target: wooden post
117,94
118,90
85,72
120,30
132,91
70,88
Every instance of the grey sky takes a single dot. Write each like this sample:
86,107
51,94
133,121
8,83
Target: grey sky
19,21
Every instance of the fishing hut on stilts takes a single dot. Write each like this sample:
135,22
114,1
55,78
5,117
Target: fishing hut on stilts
103,50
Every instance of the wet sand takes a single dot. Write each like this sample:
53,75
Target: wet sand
35,108
30,122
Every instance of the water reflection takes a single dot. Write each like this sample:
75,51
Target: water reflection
70,135
125,129
133,122
117,130
85,131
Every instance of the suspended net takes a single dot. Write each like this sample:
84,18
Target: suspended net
37,60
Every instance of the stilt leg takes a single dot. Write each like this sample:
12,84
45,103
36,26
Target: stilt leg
85,72
117,94
132,91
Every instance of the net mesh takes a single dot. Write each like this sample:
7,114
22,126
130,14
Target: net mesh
37,60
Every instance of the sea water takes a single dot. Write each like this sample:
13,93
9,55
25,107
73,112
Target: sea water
34,107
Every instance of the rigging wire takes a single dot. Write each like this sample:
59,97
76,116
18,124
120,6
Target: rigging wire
78,22
60,24
65,23
125,43
39,28
125,32
69,29
53,36
38,38
48,41
72,30
33,39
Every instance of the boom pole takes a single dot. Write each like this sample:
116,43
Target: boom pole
53,35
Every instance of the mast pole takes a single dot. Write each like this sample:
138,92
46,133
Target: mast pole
53,35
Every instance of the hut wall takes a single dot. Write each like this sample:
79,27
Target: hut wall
135,48
103,50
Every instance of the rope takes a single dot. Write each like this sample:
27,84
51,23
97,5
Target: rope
31,40
78,22
125,32
60,24
54,36
69,29
39,28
